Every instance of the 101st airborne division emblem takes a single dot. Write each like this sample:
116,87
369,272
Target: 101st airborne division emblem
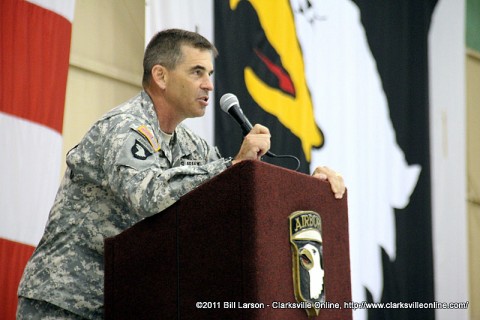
307,257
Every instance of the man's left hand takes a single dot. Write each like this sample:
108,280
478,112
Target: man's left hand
335,179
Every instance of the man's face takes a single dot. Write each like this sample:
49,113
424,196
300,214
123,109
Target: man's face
189,84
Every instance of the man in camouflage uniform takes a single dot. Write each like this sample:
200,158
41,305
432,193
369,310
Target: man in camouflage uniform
134,162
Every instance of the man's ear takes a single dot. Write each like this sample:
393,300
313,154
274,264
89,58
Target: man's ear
160,75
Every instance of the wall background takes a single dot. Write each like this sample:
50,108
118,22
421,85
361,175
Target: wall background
105,62
473,149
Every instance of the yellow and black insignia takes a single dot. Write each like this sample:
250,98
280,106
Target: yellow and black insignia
147,133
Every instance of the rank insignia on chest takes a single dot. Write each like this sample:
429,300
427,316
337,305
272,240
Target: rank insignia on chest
139,151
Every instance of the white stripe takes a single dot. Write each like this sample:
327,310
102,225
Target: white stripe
448,150
29,171
64,8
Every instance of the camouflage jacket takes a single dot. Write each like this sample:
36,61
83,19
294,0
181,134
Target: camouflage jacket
121,172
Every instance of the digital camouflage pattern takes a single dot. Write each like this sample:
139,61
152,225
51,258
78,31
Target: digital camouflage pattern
37,309
114,179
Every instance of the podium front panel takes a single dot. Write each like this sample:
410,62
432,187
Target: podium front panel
223,251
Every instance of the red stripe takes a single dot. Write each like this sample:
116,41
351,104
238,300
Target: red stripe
34,60
13,258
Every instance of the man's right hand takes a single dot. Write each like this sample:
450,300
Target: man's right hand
255,144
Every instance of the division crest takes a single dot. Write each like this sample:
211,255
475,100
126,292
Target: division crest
307,258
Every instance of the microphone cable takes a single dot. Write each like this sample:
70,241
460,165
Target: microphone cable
285,156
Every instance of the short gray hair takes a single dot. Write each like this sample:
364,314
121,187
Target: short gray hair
165,49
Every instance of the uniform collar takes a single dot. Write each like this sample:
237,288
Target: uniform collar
183,143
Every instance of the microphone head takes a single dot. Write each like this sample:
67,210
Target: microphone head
227,101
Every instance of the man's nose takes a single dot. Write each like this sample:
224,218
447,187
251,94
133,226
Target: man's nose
207,84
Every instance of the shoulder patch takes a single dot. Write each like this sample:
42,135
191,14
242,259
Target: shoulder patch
150,137
139,151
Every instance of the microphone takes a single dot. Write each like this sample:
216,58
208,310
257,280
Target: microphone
229,104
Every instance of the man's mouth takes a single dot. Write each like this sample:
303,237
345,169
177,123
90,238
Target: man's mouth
203,100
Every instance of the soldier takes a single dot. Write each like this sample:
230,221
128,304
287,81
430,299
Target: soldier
134,162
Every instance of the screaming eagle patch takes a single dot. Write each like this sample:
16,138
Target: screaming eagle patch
139,151
307,258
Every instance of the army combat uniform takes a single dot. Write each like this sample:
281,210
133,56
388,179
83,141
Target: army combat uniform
122,171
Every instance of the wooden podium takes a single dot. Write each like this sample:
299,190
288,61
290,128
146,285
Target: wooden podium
223,251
